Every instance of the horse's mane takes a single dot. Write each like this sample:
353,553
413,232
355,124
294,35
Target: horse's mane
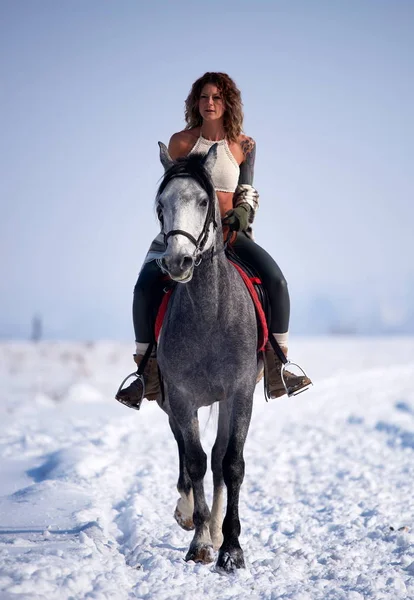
190,166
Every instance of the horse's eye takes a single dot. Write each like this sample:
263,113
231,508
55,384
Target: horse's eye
203,203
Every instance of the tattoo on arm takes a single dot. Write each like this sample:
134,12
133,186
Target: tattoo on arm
247,166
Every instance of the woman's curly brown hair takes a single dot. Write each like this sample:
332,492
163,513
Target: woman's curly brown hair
233,113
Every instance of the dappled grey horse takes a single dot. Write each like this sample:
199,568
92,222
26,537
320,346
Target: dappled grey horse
207,353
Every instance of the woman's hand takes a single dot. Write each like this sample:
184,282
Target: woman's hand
237,219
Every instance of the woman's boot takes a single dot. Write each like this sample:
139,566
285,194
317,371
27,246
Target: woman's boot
133,394
294,383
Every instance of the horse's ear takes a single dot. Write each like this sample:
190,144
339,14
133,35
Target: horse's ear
210,158
165,157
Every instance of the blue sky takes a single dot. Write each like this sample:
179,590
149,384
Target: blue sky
89,87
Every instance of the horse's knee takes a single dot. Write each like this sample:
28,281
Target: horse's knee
197,465
233,470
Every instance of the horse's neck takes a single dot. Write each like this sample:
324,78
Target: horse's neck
207,281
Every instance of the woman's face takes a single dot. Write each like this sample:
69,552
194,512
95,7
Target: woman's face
211,103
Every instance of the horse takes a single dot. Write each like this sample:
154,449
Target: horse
207,353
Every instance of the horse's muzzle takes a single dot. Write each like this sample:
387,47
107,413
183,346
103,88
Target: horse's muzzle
179,267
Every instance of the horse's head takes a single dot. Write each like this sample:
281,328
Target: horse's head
188,210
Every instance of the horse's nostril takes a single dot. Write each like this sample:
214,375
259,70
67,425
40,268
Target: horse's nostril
187,262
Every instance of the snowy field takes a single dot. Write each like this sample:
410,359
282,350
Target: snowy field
87,486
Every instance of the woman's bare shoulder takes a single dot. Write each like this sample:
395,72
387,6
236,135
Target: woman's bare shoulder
181,142
247,144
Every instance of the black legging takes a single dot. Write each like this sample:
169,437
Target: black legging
149,288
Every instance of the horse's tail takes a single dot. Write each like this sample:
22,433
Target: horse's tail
213,413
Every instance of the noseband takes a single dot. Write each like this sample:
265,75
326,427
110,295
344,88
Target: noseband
201,241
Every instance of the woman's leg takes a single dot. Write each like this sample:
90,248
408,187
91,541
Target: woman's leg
273,280
148,293
276,286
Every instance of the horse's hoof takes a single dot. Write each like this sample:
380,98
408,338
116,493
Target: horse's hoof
183,521
202,554
228,562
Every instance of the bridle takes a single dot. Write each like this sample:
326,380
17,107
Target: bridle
201,241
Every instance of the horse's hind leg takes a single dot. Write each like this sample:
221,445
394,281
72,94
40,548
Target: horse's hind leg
185,506
217,455
231,555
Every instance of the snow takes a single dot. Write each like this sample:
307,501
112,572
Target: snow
88,487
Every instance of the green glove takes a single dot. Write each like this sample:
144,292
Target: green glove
238,218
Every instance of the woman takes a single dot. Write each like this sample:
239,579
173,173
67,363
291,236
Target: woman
213,113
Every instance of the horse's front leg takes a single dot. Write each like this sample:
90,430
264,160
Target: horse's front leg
217,455
185,506
201,547
230,554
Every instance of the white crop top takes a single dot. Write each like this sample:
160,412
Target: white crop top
226,171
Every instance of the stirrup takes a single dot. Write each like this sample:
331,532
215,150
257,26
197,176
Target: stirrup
289,391
136,406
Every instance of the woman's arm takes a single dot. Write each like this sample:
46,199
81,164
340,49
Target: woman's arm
245,193
248,145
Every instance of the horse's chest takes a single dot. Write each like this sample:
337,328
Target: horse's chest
206,342
205,327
